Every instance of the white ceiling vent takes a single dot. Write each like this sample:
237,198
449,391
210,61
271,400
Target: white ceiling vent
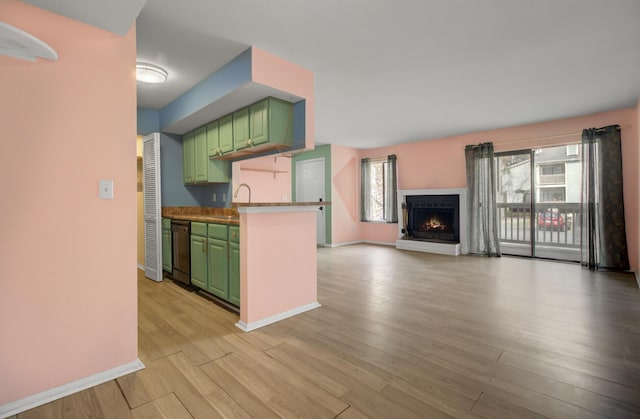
17,43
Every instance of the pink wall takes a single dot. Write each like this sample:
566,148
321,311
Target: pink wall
345,195
270,283
276,73
68,294
265,186
440,163
279,74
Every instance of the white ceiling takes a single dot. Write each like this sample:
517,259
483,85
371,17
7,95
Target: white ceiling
388,72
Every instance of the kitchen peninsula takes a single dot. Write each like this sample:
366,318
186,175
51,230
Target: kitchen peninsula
278,266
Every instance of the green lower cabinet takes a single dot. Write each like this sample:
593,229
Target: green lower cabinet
199,261
215,260
218,268
234,273
167,255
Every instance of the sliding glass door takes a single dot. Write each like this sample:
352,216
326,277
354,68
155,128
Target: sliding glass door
514,202
538,202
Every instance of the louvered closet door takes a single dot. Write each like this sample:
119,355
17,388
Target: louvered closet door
152,207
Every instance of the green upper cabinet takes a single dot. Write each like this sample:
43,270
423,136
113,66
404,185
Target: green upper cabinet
198,167
225,140
266,125
201,156
241,129
259,122
270,124
188,159
218,171
213,139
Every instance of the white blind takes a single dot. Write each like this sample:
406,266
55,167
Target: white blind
152,208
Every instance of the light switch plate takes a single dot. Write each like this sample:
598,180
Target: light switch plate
105,189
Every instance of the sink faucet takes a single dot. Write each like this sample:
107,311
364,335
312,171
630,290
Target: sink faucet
235,195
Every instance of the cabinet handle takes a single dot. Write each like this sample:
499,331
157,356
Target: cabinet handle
220,152
250,141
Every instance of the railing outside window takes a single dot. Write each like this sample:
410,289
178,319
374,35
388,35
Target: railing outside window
555,224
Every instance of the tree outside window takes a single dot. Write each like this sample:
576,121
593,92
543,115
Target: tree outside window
379,190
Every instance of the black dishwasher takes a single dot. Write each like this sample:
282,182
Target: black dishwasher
181,231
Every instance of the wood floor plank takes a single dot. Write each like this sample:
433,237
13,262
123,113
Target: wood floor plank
399,334
588,382
506,390
352,413
166,407
490,406
232,386
321,364
112,401
378,405
285,391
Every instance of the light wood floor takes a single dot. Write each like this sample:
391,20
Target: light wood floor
399,335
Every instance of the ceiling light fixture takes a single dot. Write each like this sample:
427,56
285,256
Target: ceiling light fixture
150,74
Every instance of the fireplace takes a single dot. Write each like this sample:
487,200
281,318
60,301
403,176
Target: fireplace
437,222
433,218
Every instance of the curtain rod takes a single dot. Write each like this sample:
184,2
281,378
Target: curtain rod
551,137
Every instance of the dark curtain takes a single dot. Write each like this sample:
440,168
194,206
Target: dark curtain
391,190
481,178
604,241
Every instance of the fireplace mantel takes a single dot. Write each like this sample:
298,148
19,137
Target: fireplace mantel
434,247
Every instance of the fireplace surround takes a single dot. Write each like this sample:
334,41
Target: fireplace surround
434,220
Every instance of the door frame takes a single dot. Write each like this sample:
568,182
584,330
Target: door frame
321,241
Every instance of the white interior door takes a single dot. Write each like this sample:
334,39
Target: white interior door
310,188
152,207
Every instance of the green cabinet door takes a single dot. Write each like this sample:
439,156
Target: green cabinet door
199,261
259,122
225,134
167,255
201,155
188,159
218,275
241,129
234,273
270,122
213,139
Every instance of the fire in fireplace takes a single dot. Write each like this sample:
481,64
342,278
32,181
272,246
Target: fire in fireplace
433,218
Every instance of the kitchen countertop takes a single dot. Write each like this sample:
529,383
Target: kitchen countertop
280,204
202,214
205,218
227,215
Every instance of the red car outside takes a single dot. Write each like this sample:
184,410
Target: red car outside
551,220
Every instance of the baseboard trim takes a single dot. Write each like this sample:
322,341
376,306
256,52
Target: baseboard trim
141,267
248,327
637,274
379,243
19,406
345,243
